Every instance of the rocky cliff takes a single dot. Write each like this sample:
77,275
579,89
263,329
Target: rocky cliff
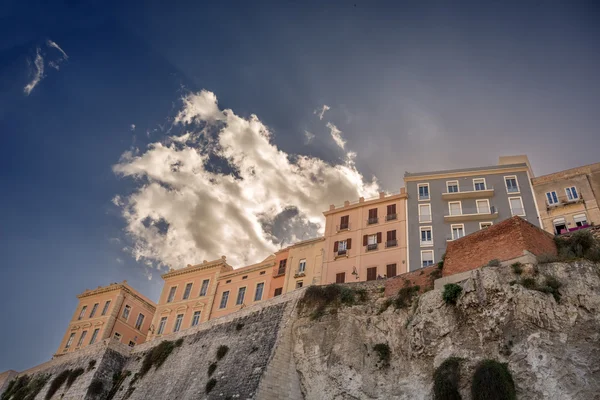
358,344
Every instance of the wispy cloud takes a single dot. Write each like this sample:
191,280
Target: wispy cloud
50,43
308,137
336,134
38,72
132,127
321,112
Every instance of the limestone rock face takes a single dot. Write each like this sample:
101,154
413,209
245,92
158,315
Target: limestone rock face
552,349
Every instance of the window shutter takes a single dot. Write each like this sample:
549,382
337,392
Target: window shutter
378,237
335,247
393,234
374,213
348,244
365,242
388,236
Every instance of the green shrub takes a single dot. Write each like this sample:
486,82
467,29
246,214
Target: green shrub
118,379
492,381
210,385
221,351
362,294
136,376
179,342
440,263
57,382
384,353
96,387
593,254
73,376
347,296
581,242
551,286
493,263
451,293
517,268
446,380
156,356
91,365
546,258
405,296
435,274
239,326
25,387
528,283
212,368
385,305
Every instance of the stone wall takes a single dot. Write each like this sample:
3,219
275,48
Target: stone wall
421,277
5,378
504,241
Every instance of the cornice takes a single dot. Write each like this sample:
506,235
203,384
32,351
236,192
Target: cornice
365,203
458,173
248,269
119,286
220,263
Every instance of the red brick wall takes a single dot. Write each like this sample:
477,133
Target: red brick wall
503,241
420,277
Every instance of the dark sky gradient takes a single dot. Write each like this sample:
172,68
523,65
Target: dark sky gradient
413,86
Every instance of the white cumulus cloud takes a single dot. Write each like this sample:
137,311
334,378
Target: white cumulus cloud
336,134
321,112
223,188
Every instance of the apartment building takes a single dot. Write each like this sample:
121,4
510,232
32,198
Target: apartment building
279,273
366,239
188,296
447,205
115,311
243,287
305,264
568,200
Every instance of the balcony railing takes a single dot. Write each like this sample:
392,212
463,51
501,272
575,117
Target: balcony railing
467,192
391,217
470,214
391,243
371,247
279,272
372,221
299,274
564,201
342,227
341,253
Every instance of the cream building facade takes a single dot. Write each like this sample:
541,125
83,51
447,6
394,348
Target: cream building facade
305,264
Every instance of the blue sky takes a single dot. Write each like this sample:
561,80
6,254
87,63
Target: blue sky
411,86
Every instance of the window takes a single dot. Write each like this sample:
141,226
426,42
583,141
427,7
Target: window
426,237
516,206
426,258
240,296
117,336
224,299
262,272
342,246
196,318
94,309
204,287
244,277
390,270
82,313
178,321
371,241
340,278
512,185
580,220
282,265
105,309
80,342
161,326
552,198
344,222
171,294
228,281
139,321
299,284
484,225
126,312
391,213
372,216
424,212
455,208
571,193
259,291
372,273
452,186
458,231
70,341
278,292
560,226
302,266
423,191
94,336
483,206
186,292
479,184
131,343
391,240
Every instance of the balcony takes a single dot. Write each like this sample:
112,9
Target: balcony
469,193
299,274
472,214
564,201
391,243
391,217
372,221
371,247
342,227
279,272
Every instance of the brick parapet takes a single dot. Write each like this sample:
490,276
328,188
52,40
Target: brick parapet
421,277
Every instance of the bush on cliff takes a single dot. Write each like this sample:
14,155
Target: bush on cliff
384,353
446,380
492,381
73,376
451,293
318,298
221,351
57,382
25,387
405,296
96,387
157,356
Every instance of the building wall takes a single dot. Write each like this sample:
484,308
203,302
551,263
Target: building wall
279,275
312,252
587,182
194,274
358,259
505,241
442,229
119,296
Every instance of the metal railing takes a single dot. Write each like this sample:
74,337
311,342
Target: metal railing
372,221
391,217
471,211
342,252
391,243
342,227
563,200
371,247
465,188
